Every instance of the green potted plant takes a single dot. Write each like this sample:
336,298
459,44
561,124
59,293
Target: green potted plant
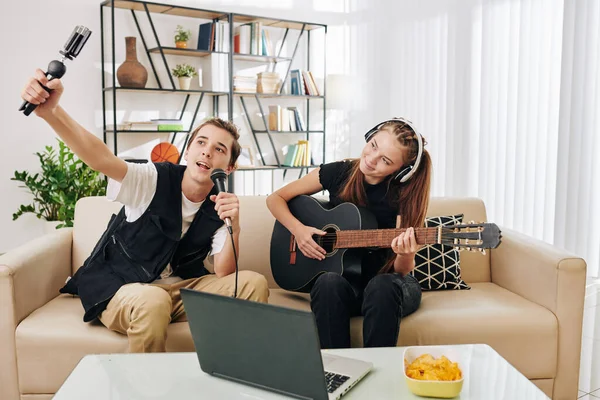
185,73
181,37
64,179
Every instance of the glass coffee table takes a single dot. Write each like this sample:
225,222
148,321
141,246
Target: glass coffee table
178,376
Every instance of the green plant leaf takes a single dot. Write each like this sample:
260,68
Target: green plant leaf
63,180
182,70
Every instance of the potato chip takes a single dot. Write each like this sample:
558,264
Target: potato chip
427,368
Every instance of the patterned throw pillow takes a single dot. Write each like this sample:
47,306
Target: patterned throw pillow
438,266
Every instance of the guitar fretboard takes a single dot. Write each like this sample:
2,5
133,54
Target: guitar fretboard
381,237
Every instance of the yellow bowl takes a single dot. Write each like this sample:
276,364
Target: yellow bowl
439,389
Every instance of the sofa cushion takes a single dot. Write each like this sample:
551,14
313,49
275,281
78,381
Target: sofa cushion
53,339
474,266
524,333
91,220
283,298
437,266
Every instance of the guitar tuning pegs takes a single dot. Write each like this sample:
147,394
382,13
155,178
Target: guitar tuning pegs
468,248
482,251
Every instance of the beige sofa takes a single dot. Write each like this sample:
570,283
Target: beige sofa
526,302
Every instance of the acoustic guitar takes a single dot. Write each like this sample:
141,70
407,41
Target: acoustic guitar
351,230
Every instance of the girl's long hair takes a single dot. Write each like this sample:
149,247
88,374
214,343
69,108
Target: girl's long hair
410,198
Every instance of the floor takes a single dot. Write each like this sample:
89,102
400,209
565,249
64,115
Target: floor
589,373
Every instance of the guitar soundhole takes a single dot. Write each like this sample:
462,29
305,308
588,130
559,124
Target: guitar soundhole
327,242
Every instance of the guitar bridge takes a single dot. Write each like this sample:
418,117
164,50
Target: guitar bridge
292,250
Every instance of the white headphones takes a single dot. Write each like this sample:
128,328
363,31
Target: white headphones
405,173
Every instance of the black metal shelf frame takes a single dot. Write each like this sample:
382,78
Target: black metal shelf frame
148,8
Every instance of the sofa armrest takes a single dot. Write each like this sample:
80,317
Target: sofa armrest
539,272
30,276
554,279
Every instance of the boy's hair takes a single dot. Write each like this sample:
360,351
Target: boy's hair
229,127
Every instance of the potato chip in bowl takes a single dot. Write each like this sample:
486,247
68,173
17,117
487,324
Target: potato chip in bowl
433,371
428,368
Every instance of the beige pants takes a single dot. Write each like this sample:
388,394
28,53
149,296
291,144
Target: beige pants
143,311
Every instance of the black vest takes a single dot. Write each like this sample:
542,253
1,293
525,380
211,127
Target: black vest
139,251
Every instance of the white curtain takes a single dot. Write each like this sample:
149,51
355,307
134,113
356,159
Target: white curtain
506,93
578,187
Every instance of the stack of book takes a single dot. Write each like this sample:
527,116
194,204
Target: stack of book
244,84
298,155
268,82
163,125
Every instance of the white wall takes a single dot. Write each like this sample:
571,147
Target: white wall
33,33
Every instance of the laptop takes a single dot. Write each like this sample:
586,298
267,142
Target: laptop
267,346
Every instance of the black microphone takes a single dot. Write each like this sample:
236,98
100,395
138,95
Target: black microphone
56,68
218,176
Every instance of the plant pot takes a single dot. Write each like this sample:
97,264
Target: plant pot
131,73
50,226
181,45
184,82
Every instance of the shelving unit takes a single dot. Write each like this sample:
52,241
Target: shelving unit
158,58
262,128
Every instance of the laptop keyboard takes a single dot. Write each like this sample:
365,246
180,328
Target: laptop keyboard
334,381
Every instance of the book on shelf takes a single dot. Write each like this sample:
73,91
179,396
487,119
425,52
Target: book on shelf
252,38
213,36
170,127
215,73
303,83
153,125
298,154
285,119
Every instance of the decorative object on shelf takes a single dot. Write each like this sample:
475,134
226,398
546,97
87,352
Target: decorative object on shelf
268,82
199,77
165,152
131,73
185,73
64,179
181,37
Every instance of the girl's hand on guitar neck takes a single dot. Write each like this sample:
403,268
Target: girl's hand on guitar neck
306,244
405,244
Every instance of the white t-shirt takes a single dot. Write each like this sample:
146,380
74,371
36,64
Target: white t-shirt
136,192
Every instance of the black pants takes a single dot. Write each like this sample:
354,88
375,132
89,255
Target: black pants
387,298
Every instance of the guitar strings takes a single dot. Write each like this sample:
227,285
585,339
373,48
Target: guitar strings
428,234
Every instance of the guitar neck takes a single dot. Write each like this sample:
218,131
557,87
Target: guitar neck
382,237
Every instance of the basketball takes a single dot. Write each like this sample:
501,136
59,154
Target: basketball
165,152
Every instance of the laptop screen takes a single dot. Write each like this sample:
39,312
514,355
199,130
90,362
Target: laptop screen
259,344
